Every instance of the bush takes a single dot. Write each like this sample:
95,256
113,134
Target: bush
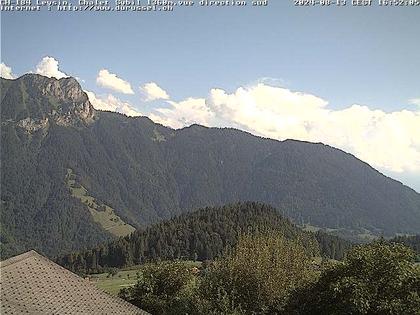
268,274
257,276
378,278
163,288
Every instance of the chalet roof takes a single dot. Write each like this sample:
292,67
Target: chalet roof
33,284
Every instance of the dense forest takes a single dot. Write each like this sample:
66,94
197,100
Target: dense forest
148,173
201,235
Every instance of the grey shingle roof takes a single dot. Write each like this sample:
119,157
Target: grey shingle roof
32,284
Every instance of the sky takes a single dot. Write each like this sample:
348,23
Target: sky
344,76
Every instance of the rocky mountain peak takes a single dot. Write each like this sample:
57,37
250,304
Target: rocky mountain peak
65,89
43,100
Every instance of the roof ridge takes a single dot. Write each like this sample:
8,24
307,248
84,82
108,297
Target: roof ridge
15,259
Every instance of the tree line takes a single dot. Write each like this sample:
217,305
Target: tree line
201,235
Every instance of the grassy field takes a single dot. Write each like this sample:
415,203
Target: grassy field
113,284
124,278
361,235
101,213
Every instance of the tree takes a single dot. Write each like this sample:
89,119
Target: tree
378,278
256,277
163,288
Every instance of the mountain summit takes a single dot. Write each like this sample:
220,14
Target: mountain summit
35,101
71,174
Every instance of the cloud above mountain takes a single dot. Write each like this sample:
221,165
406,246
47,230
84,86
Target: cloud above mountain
112,104
151,92
111,81
389,141
6,72
48,67
184,113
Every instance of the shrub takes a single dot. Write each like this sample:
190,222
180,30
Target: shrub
257,276
163,288
378,278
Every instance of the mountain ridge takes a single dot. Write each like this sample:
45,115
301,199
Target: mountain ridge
148,172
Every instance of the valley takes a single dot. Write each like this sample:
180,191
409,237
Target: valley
165,157
142,173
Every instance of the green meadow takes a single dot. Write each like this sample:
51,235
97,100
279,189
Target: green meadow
101,213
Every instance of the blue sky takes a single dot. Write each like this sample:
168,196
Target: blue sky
214,62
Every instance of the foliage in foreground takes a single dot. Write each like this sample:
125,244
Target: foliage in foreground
163,288
255,277
268,274
378,278
258,274
412,241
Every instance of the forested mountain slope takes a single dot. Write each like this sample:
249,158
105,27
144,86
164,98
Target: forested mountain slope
146,172
201,235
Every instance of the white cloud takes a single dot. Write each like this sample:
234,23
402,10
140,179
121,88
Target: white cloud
48,67
151,91
388,141
267,111
113,82
6,72
113,104
187,112
415,101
